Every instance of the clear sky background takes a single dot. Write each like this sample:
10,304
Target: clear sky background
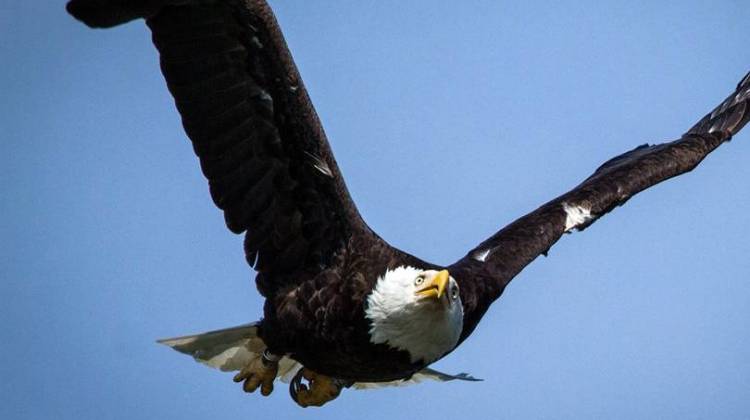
449,120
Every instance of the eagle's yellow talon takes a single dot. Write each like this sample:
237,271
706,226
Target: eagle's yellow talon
266,388
256,374
321,390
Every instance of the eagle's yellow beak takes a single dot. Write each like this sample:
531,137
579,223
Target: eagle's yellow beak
435,286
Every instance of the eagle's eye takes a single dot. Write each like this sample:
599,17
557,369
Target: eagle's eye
454,292
419,280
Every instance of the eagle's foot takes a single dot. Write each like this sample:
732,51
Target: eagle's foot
321,388
261,371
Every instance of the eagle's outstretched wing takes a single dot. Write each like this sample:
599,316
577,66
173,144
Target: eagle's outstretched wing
488,268
246,110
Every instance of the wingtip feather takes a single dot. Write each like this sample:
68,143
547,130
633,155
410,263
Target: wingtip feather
730,116
109,13
744,82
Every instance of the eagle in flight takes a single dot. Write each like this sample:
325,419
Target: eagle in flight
343,308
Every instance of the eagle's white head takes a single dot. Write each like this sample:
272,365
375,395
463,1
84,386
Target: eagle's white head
419,311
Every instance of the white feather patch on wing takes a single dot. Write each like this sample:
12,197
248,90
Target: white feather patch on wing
321,166
482,255
425,374
576,216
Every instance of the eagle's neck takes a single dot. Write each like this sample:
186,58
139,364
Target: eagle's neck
426,330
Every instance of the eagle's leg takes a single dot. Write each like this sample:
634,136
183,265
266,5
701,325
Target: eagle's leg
261,371
321,388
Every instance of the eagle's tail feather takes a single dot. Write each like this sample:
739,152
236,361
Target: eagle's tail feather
229,349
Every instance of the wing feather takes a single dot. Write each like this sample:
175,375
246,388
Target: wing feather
488,268
259,141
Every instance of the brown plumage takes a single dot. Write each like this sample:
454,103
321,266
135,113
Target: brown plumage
271,170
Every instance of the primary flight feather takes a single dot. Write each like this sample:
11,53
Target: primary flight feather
343,308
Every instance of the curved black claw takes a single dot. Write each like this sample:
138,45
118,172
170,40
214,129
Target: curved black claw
295,385
319,390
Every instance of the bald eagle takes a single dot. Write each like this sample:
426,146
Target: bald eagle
343,308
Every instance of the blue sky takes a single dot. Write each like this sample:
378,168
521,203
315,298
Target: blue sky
448,121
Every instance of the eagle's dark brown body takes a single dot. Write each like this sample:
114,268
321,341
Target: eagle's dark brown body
271,170
321,322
